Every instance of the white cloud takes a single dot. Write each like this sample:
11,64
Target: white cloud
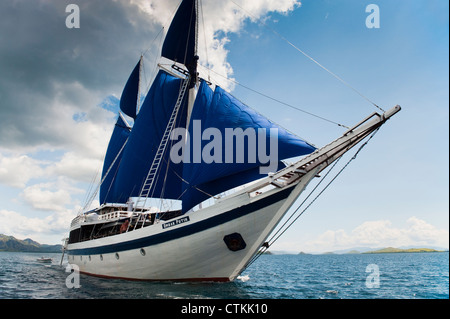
45,197
47,230
219,19
382,233
229,17
374,234
422,232
17,170
76,166
52,196
49,72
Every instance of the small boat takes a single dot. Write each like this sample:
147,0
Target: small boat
44,260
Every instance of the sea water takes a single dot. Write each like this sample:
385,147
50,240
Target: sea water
352,276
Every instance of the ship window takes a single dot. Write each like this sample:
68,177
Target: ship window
89,257
142,251
117,256
101,257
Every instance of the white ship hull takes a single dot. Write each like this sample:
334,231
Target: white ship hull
192,247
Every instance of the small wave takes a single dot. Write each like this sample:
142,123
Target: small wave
332,292
244,278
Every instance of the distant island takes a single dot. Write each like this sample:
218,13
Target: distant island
12,244
364,250
389,250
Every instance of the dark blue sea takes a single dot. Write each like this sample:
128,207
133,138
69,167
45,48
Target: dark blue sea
358,276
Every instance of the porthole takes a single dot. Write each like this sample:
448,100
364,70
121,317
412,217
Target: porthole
235,242
101,257
142,251
117,256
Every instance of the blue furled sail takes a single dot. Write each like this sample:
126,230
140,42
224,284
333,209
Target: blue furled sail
129,98
179,44
118,138
144,140
222,112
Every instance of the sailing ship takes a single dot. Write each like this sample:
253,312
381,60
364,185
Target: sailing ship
159,158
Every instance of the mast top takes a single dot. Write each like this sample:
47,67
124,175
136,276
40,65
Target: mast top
180,44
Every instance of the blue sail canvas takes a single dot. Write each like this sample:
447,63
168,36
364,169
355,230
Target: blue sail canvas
144,140
179,44
113,158
220,110
129,98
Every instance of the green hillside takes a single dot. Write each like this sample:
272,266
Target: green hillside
398,250
10,243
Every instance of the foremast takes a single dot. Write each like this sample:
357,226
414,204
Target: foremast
180,45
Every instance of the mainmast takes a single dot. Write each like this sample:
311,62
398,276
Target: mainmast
181,45
192,67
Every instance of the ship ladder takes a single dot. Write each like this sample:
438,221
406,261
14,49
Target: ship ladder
154,168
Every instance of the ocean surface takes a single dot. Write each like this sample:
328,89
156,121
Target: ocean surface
365,276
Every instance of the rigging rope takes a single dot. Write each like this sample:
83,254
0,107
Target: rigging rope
283,229
94,194
204,38
151,43
278,101
309,57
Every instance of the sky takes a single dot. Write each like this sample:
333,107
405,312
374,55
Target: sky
59,89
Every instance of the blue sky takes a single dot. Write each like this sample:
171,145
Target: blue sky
403,173
58,86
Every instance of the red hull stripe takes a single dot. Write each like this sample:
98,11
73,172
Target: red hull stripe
216,279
